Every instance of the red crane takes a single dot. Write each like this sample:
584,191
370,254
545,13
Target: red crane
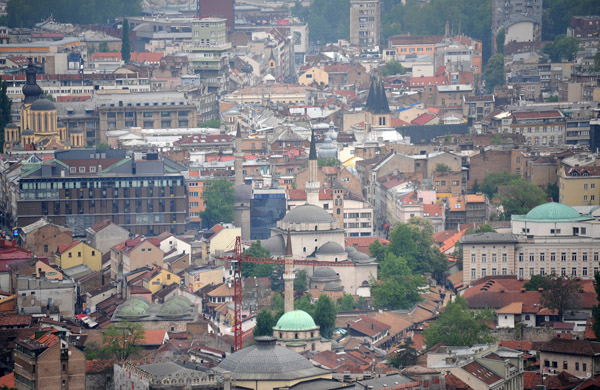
237,281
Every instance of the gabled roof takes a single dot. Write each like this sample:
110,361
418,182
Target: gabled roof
222,290
154,337
572,347
63,248
482,373
511,308
129,245
368,326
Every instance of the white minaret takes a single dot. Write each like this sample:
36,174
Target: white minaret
313,185
288,276
239,157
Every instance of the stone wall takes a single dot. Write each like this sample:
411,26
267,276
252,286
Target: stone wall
527,334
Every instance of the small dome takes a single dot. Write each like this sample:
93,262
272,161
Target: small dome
296,320
60,124
10,126
42,105
330,248
333,286
178,306
275,245
133,307
324,273
350,249
359,257
308,213
553,211
27,132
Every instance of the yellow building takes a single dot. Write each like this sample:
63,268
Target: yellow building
78,253
314,75
224,239
160,278
579,186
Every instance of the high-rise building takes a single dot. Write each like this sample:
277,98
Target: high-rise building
365,22
520,19
209,51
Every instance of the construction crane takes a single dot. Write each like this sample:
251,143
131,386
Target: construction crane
237,281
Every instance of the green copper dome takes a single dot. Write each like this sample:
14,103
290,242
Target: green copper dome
552,212
133,307
296,320
177,306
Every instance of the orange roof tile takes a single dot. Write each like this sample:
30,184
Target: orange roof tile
8,381
153,337
63,248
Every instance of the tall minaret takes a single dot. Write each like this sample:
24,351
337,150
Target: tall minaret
288,276
312,185
238,164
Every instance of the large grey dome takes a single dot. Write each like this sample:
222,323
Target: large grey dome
308,213
333,286
275,245
324,273
330,248
267,361
359,257
42,105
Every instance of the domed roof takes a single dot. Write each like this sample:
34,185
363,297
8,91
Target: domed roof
330,248
359,257
308,213
60,124
275,245
324,273
11,126
552,211
177,306
350,249
42,105
267,361
296,320
133,307
333,286
27,131
243,193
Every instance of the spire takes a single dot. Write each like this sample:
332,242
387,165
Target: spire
313,150
288,245
31,90
371,94
384,107
238,132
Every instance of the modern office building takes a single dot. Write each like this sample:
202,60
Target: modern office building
79,188
209,49
365,22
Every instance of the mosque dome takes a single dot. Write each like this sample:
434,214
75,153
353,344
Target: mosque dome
134,307
178,306
296,320
323,274
333,286
330,248
308,213
553,211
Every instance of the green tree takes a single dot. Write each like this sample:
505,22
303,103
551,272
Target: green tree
563,48
121,341
324,315
125,44
560,294
300,11
552,191
500,39
278,305
406,356
557,15
441,167
264,323
417,247
596,308
259,270
519,197
536,282
304,304
213,124
301,281
393,67
102,146
328,162
93,351
596,67
459,326
493,72
5,115
346,303
220,198
398,287
496,179
377,251
329,20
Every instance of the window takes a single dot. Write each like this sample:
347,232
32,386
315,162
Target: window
521,272
542,256
473,273
504,271
494,271
584,366
531,258
531,272
584,271
46,248
563,271
573,271
552,256
483,257
563,256
70,254
542,271
520,257
493,257
565,365
483,272
78,254
504,257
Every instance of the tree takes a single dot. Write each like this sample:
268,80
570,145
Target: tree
300,11
278,305
596,67
121,340
563,48
560,294
324,315
596,308
494,72
220,198
93,351
535,283
459,326
377,251
520,196
393,67
552,191
264,323
125,45
414,243
301,281
496,179
5,115
103,47
328,162
405,356
304,304
259,270
398,287
213,124
441,167
346,303
500,39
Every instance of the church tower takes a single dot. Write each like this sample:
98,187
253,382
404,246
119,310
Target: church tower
377,108
288,275
313,185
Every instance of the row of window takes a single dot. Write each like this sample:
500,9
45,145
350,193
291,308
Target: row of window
565,365
521,272
563,256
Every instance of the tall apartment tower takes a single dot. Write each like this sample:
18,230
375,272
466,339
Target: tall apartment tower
520,19
209,51
365,22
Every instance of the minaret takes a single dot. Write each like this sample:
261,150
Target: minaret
312,185
239,158
288,276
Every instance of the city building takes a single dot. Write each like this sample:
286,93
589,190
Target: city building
43,238
104,235
78,253
365,22
521,20
577,357
48,362
167,375
208,53
84,187
552,238
579,186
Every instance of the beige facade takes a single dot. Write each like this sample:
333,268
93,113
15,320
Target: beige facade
365,22
576,188
314,75
79,254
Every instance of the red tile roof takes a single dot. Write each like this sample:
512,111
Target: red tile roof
14,320
572,347
100,225
450,242
368,326
153,337
481,372
537,114
397,122
8,381
454,383
364,241
423,119
531,379
63,248
336,68
324,194
434,210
